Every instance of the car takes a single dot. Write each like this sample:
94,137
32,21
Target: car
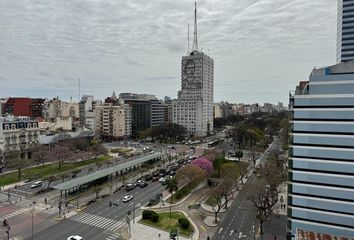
36,184
142,184
127,198
75,237
155,179
130,186
148,177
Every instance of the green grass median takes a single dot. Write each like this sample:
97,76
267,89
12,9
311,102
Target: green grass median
165,223
46,170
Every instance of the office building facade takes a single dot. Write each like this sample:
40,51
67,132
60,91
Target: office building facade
321,153
345,31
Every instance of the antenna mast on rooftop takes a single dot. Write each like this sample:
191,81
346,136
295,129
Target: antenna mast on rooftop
188,38
79,90
195,34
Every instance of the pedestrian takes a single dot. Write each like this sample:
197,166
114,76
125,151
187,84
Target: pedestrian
45,200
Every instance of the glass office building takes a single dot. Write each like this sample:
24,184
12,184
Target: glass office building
345,34
321,153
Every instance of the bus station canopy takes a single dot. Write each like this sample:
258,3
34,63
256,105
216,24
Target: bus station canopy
76,182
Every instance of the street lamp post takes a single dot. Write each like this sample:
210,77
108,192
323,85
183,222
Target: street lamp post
8,231
31,208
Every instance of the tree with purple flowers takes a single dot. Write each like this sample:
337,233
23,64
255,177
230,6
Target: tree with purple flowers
204,164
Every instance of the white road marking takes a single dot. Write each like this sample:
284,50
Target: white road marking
98,221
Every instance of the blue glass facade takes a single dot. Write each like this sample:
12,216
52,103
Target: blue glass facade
321,153
345,32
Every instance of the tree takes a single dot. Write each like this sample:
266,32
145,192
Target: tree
50,179
62,153
15,160
98,165
238,133
190,173
171,187
40,154
64,176
253,155
204,164
216,202
2,160
165,132
97,189
97,149
264,199
230,175
243,166
108,163
218,163
239,154
254,134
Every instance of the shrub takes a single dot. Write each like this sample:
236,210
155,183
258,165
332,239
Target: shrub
147,214
183,222
154,216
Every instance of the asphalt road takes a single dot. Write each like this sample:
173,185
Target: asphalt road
100,221
239,221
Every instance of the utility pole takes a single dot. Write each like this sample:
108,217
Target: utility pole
31,208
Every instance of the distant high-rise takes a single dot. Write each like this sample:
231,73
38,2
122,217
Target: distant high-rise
194,107
345,31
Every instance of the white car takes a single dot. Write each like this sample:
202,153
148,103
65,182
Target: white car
75,237
36,184
127,198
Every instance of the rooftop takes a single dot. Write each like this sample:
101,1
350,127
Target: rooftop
104,172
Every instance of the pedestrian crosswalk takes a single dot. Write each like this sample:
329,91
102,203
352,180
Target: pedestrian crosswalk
113,237
18,212
98,221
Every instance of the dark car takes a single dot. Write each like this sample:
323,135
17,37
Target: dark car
155,174
162,175
148,177
130,186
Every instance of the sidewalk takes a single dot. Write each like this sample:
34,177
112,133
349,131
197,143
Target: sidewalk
280,206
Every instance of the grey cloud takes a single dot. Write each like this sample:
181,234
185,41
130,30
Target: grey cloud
137,42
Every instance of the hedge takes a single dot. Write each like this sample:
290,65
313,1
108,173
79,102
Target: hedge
154,216
183,222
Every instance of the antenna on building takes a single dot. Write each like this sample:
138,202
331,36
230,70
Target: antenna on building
195,34
79,89
188,38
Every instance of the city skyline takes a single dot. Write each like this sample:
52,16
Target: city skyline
261,47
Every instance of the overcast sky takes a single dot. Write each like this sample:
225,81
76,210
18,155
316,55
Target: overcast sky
261,48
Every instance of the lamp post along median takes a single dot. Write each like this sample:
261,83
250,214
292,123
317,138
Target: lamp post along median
31,208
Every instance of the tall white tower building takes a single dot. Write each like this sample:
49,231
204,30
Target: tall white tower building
193,108
345,32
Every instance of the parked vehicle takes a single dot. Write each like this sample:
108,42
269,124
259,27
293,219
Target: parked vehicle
155,179
130,186
148,177
142,183
37,184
